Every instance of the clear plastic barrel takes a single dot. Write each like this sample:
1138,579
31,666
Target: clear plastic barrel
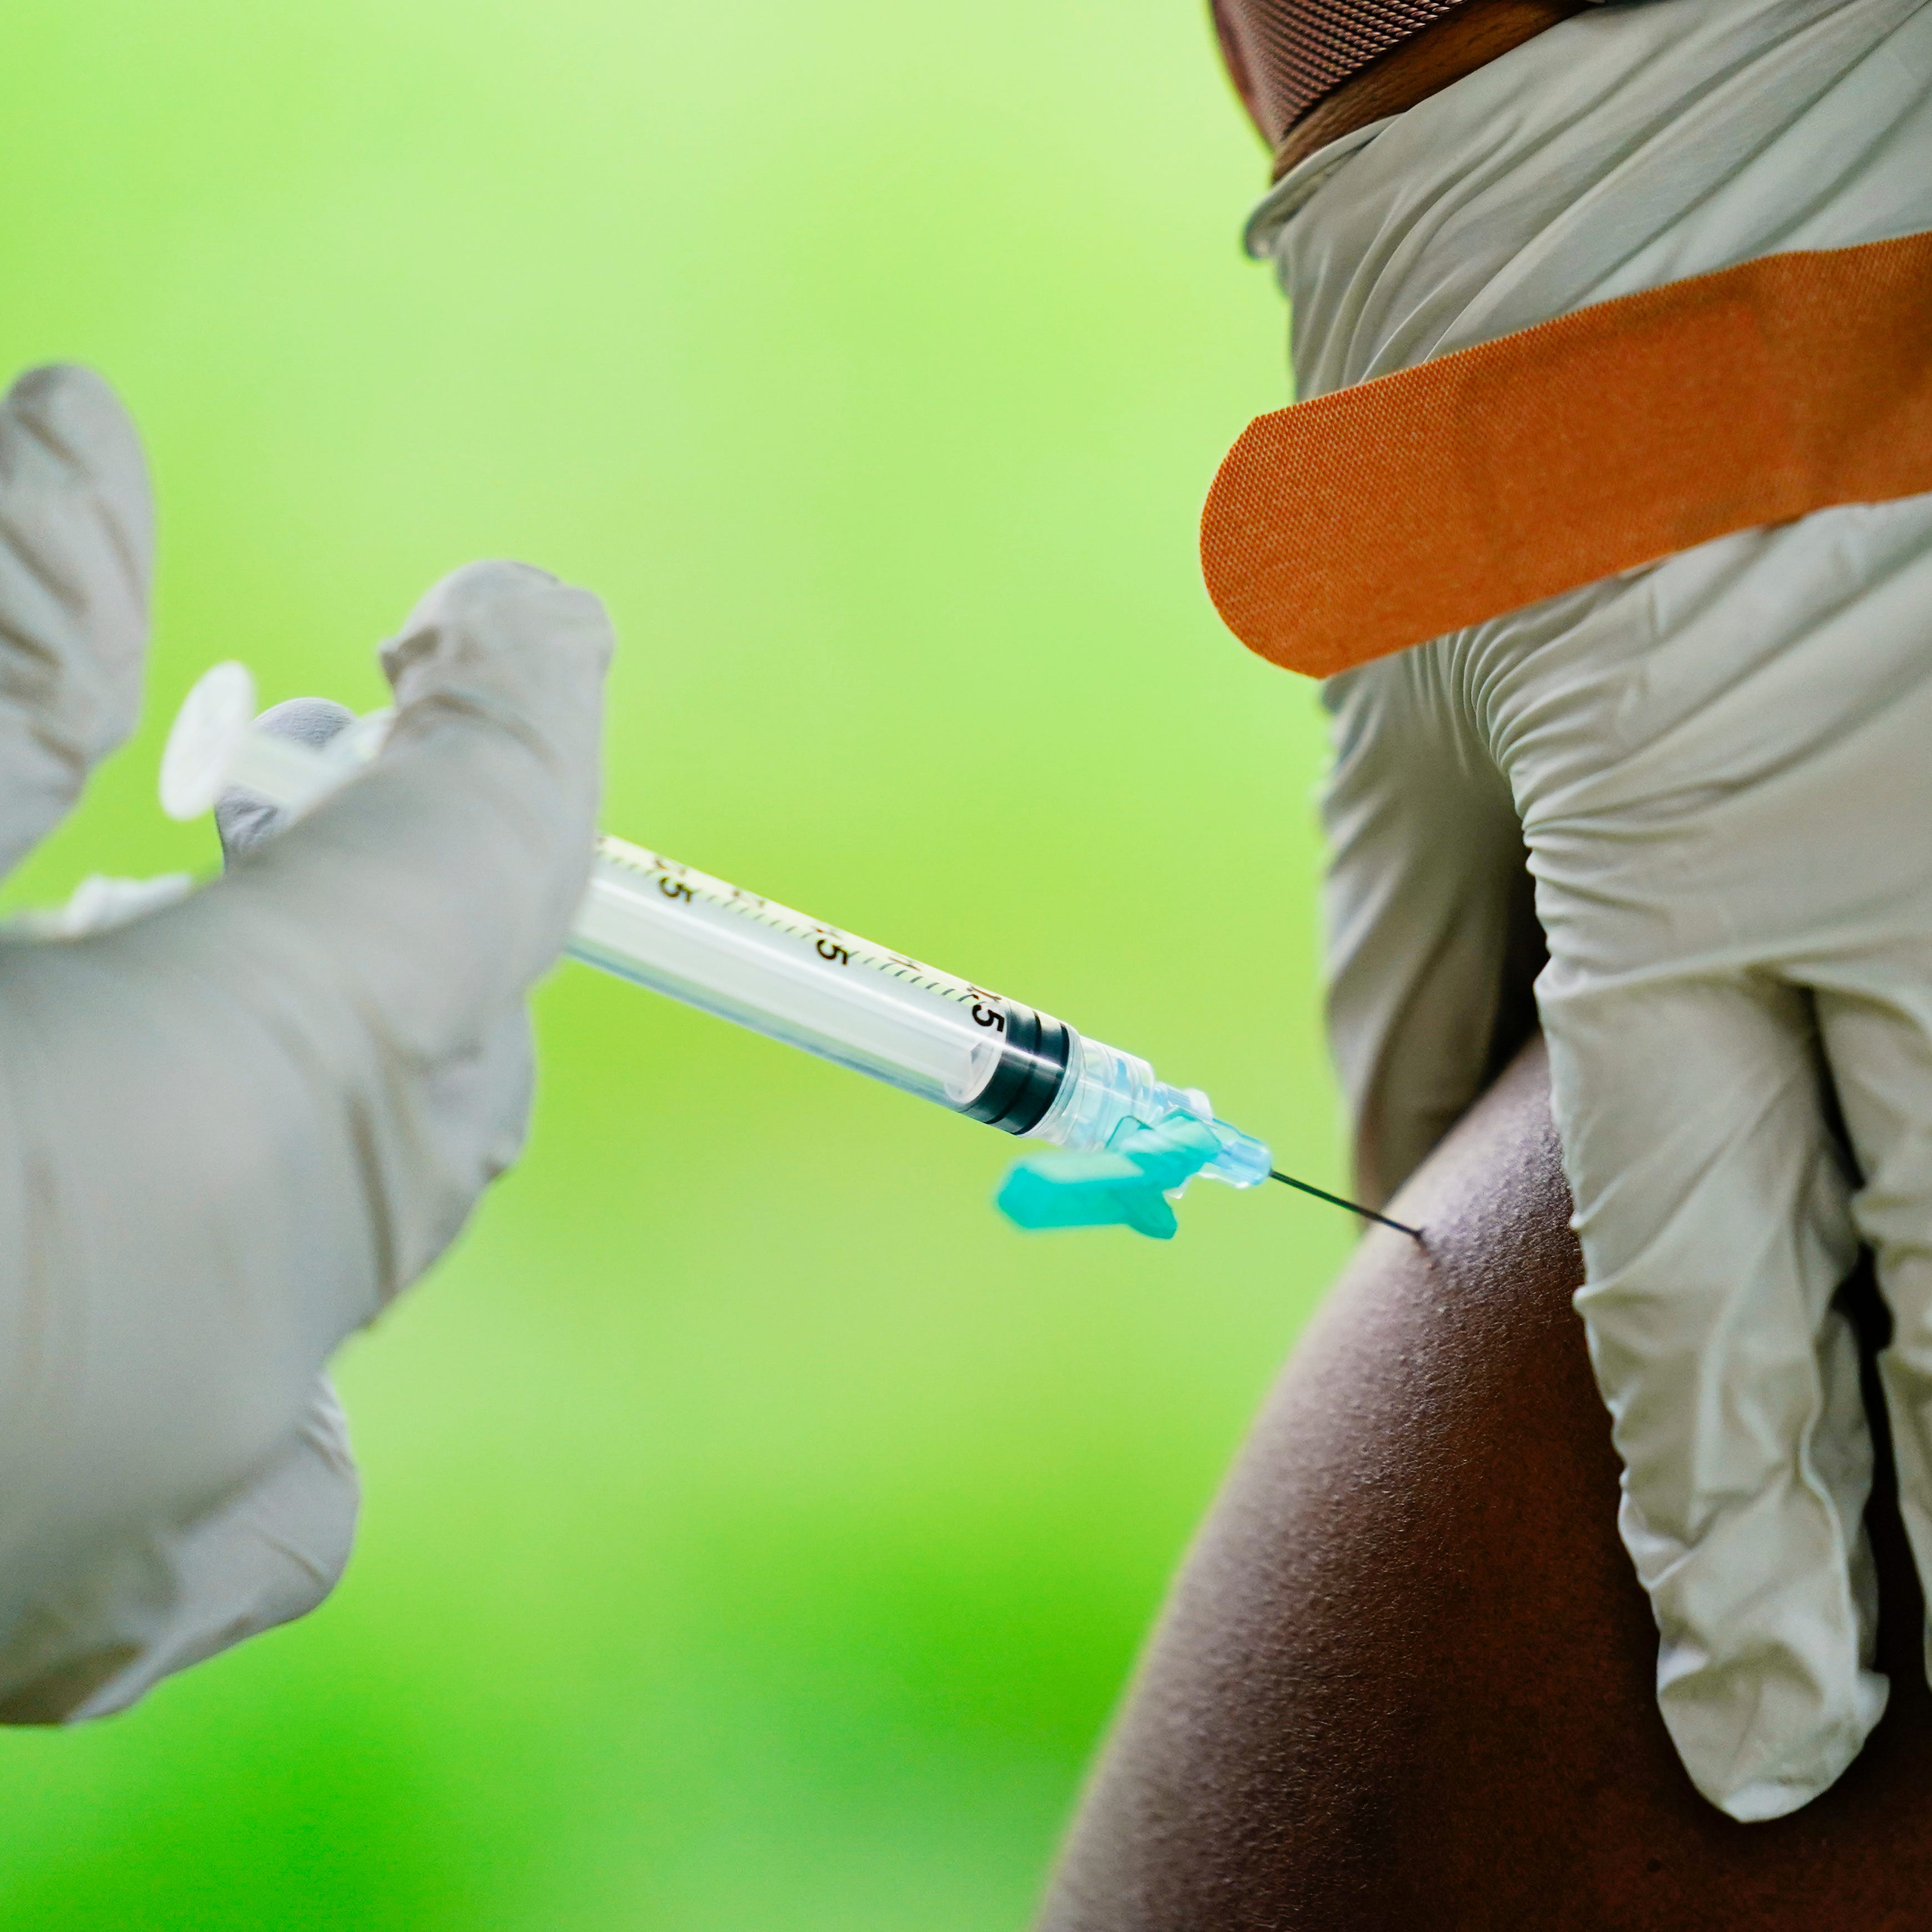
678,931
712,945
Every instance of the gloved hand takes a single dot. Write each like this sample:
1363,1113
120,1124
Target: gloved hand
232,1128
1717,767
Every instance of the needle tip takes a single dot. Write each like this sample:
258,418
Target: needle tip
1354,1206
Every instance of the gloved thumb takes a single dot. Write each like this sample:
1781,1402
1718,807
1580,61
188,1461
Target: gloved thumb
501,652
504,646
444,880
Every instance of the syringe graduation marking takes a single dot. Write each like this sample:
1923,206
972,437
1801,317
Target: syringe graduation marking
693,885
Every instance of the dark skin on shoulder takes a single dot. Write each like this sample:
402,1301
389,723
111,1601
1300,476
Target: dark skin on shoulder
1405,1677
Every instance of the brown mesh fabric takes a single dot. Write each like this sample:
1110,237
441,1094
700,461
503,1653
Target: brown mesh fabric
1286,55
1449,50
1361,523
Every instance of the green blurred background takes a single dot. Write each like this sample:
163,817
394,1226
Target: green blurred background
758,1529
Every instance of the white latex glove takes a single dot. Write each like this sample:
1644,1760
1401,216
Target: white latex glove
1718,767
233,1129
1432,941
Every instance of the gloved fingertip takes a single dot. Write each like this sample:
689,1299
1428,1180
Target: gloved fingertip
75,411
472,587
52,391
79,411
491,609
462,596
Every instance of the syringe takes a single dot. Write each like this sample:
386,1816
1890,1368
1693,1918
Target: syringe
665,925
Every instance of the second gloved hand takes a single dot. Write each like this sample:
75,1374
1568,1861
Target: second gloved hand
1717,765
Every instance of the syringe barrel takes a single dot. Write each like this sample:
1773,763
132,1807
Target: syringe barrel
667,926
678,931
